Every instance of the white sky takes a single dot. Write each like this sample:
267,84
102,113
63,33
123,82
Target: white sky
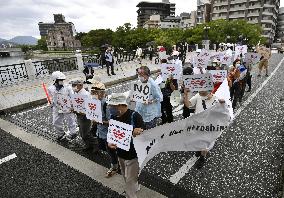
21,17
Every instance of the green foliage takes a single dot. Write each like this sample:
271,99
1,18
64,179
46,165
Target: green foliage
41,44
221,31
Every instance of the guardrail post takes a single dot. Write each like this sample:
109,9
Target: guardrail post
80,62
31,70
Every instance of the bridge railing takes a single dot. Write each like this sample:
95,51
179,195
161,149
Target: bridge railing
10,74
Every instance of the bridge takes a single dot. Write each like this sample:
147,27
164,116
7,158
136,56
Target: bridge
6,52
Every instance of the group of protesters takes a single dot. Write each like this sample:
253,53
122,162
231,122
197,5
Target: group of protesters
157,110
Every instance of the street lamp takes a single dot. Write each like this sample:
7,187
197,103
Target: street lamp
206,32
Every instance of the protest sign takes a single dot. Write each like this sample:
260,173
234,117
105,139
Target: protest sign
218,75
173,70
78,103
140,92
93,110
226,59
159,80
63,103
241,49
195,133
198,82
202,59
119,134
252,58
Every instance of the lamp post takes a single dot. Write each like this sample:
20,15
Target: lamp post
206,32
206,38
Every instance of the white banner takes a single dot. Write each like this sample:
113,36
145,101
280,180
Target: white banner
78,103
93,110
63,103
168,70
252,58
198,82
202,59
218,75
119,134
195,133
140,92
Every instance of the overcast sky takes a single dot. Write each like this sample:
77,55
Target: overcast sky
21,17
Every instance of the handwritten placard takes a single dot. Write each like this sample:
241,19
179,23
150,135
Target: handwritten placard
218,75
252,58
63,103
93,110
140,92
78,102
202,59
173,70
198,82
120,134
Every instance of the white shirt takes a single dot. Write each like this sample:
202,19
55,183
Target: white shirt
202,103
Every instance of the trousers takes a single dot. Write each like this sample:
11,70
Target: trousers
58,122
85,127
130,171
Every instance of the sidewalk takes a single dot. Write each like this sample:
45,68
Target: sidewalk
29,93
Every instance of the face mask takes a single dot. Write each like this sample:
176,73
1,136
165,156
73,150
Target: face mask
238,65
142,79
60,82
95,97
113,111
214,65
75,89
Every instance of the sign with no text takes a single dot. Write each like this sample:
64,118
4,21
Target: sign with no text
93,110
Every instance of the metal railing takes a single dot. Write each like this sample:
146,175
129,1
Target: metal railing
10,74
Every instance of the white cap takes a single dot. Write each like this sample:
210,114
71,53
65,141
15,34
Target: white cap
117,99
175,53
58,75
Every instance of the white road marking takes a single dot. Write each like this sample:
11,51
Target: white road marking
183,170
187,166
8,158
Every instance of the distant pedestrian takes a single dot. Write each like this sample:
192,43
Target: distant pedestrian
263,64
109,61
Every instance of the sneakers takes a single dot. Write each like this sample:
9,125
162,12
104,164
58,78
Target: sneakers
113,73
266,75
111,172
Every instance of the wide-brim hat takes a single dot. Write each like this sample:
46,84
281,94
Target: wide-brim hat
97,85
117,99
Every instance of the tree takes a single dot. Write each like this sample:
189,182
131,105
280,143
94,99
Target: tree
41,44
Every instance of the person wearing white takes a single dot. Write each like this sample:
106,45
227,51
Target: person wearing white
202,101
85,125
59,114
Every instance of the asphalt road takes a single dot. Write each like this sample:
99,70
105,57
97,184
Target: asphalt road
245,161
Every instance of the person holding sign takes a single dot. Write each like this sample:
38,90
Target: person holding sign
61,106
171,84
85,125
128,161
150,110
202,101
98,92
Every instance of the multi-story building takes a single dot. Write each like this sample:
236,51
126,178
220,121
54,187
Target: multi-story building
59,20
146,9
263,12
170,22
203,11
279,38
188,21
60,35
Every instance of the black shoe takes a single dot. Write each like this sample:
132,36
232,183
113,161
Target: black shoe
60,138
108,74
200,162
266,75
281,99
249,90
258,75
113,73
